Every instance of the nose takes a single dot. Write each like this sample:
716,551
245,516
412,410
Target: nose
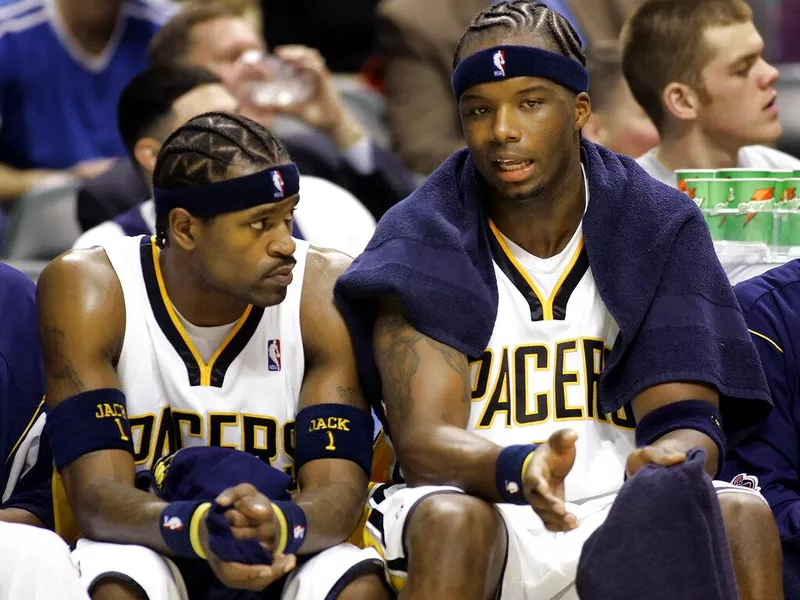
282,246
506,125
769,75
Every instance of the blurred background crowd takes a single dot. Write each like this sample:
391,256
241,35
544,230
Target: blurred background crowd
359,92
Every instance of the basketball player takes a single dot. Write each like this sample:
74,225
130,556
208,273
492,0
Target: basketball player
218,331
523,425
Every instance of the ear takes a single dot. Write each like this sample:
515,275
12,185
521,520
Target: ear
146,153
583,110
680,101
183,228
595,129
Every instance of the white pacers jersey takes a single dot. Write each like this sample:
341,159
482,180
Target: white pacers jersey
541,370
244,397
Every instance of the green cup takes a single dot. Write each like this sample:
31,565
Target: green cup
743,173
710,195
683,174
754,199
789,224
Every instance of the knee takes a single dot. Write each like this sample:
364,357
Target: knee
367,587
115,589
456,519
746,509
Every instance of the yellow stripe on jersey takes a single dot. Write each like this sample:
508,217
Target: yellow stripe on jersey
547,304
205,368
35,416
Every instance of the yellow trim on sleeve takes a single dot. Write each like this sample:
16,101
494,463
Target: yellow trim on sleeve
194,529
35,416
763,337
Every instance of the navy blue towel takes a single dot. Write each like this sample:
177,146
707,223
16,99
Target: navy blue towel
202,473
663,539
650,254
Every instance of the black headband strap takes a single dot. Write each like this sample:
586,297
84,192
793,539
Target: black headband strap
504,62
268,186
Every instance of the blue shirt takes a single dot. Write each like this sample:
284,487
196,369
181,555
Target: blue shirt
57,103
22,399
770,458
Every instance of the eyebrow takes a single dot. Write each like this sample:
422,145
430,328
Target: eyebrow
750,56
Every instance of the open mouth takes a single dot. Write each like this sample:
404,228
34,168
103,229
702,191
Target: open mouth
511,165
772,103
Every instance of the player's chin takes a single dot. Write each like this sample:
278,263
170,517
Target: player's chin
268,294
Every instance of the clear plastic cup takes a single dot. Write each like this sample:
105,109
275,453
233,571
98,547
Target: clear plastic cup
265,80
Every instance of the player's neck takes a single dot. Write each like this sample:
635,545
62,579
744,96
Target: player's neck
90,22
544,225
693,149
194,299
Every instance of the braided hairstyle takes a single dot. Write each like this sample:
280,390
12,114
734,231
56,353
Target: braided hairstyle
213,147
520,18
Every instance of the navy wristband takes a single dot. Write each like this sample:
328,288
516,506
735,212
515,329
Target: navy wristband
88,422
509,471
699,415
293,526
177,525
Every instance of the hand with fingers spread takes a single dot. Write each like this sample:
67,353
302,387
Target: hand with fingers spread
251,517
664,453
543,480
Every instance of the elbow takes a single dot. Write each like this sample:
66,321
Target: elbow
416,453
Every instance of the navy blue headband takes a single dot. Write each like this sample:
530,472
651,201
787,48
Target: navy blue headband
504,62
241,193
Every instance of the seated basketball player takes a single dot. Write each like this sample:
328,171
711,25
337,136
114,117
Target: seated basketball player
545,319
218,331
34,562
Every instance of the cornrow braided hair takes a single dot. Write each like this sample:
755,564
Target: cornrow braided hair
204,150
526,17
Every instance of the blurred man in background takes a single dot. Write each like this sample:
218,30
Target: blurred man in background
617,121
159,100
62,66
697,70
334,146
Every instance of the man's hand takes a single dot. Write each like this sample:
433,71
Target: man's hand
543,481
325,109
250,517
664,453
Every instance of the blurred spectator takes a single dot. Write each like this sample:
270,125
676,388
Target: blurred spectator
343,32
697,69
416,39
617,121
62,66
337,148
157,102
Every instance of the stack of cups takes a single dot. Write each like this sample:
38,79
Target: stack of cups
747,205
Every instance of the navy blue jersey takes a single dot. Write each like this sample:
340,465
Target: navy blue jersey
769,459
27,461
57,103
